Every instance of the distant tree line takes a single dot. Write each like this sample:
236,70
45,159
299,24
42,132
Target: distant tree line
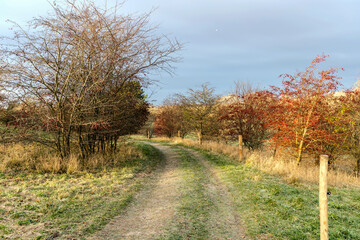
305,115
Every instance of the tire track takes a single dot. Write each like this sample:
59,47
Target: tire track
225,222
152,208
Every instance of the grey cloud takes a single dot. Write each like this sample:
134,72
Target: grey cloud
256,40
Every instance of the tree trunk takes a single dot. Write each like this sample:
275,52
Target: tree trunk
300,149
275,150
68,145
82,148
58,144
115,141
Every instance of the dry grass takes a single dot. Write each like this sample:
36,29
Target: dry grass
218,147
70,206
306,172
288,169
37,158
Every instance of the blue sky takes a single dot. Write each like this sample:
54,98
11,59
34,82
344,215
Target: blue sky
231,40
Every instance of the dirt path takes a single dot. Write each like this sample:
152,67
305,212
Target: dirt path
153,207
225,223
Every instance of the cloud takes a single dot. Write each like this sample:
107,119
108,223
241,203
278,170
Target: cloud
257,40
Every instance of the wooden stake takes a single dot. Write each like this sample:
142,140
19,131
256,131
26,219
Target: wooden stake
323,203
241,154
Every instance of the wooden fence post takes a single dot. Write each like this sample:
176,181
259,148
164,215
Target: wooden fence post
179,134
241,154
323,203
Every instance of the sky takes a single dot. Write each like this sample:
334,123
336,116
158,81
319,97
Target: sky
237,40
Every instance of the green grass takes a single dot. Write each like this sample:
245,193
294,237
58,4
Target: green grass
35,206
270,207
191,221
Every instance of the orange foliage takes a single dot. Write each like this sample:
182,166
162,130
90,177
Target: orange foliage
304,115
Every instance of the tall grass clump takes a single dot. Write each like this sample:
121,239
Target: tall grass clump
307,171
19,157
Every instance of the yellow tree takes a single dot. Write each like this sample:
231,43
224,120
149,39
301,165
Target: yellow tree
200,109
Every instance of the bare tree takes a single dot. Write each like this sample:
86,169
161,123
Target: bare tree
74,69
243,88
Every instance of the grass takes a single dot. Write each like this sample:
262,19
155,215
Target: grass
280,166
273,208
72,206
193,215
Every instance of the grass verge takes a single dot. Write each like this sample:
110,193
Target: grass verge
271,208
70,206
